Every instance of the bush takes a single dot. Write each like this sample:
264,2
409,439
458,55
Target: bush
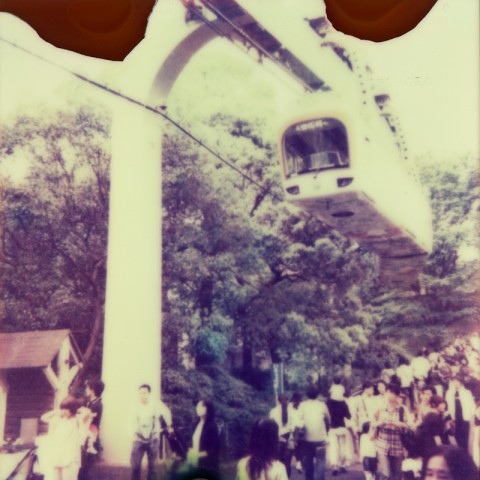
371,360
261,380
210,347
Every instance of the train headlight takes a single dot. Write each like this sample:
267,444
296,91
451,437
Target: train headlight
343,182
293,190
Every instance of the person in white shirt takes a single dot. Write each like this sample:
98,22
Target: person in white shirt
405,374
339,440
283,416
261,463
476,436
296,429
461,407
337,389
316,421
368,452
387,373
421,366
146,429
475,341
365,407
379,398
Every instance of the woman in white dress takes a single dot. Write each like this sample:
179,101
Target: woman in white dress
67,431
262,463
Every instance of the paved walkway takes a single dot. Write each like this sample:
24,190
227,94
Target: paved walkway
355,472
104,472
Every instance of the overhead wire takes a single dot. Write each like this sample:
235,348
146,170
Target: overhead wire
222,34
261,51
154,110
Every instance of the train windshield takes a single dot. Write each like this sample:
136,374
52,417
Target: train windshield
315,145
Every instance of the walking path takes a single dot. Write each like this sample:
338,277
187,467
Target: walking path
355,472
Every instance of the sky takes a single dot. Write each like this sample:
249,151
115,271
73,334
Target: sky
432,74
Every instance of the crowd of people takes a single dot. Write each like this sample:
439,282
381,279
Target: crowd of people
419,420
394,425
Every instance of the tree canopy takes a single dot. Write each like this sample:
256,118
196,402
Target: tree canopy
244,273
55,224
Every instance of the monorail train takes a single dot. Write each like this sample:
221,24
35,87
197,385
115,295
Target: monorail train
343,165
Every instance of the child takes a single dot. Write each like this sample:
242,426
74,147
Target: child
93,392
368,453
92,438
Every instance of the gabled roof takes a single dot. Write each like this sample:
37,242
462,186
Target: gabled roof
31,349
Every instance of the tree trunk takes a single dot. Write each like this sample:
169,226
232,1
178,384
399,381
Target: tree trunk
247,354
98,304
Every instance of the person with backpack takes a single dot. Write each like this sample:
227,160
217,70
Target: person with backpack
146,427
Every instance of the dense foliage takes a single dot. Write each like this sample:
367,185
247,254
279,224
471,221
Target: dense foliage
55,222
248,279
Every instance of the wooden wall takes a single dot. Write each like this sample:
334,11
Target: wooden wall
29,396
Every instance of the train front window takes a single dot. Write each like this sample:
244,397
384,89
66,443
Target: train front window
315,145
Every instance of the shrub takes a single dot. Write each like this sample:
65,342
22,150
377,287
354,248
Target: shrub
237,404
210,347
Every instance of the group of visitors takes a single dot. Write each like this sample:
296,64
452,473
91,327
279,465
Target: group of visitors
419,420
422,409
73,435
153,423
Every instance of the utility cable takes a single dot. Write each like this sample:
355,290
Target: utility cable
154,110
226,35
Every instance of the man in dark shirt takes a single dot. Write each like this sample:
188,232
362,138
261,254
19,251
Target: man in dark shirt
93,391
339,411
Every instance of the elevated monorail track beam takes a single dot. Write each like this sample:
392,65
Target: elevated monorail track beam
238,26
383,103
321,26
196,13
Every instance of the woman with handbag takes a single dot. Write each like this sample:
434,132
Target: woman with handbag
203,457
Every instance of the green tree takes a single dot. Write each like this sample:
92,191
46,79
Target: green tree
281,282
450,305
55,226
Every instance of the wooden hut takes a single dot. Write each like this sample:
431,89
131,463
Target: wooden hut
36,371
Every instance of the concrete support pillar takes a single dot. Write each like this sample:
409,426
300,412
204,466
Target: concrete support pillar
132,345
133,311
